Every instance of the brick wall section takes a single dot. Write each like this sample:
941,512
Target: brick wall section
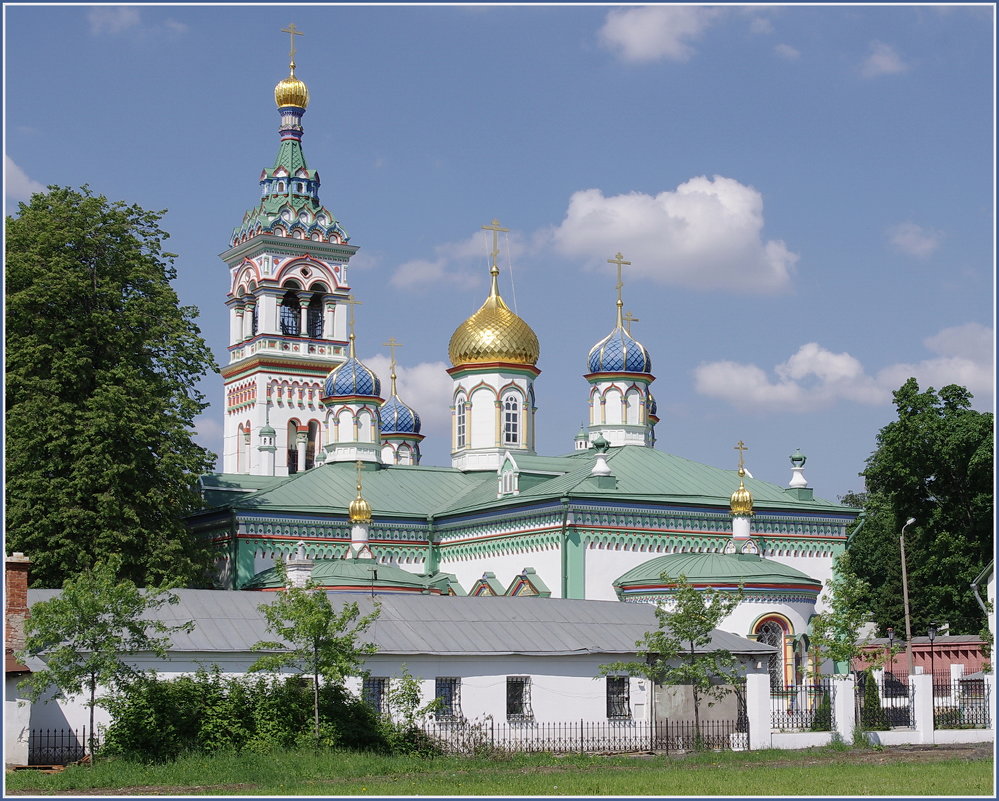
16,593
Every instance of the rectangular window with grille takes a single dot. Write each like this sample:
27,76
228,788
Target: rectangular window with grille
447,691
374,692
618,697
518,698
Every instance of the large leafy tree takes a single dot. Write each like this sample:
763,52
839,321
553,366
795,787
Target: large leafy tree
86,633
102,366
934,463
316,640
677,652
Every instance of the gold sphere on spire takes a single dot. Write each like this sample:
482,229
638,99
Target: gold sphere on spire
291,91
494,334
742,500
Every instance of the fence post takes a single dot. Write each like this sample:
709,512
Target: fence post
758,710
492,733
922,706
844,692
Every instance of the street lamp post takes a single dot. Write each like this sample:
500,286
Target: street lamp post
905,595
891,656
931,632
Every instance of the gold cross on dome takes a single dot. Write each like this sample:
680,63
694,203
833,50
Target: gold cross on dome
620,262
392,345
352,303
494,226
293,32
630,318
741,447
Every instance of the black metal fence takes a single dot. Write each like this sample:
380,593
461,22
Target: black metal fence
884,702
961,704
56,746
803,707
467,737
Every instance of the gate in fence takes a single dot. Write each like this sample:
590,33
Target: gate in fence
464,737
803,707
56,746
961,704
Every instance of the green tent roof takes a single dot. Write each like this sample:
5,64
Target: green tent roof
719,570
359,575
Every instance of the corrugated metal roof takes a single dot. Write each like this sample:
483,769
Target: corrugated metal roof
230,621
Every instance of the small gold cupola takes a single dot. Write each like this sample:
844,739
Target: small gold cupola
742,499
494,333
359,510
291,91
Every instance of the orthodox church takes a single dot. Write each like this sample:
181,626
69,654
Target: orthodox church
323,472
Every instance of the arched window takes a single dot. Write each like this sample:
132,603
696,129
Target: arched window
315,317
292,448
291,314
772,633
313,445
511,420
459,428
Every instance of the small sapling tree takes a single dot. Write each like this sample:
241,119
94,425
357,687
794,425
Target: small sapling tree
86,634
677,652
316,640
836,632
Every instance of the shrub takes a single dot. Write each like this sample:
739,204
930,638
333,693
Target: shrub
822,721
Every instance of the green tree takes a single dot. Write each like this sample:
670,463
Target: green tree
676,652
316,639
836,632
934,463
102,365
85,634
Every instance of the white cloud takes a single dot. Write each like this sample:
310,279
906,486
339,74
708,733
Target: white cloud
208,434
913,239
706,234
425,387
815,378
112,19
16,184
461,264
882,60
761,25
653,33
787,52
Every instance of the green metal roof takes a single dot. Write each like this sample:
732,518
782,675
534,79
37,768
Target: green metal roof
358,575
416,491
715,568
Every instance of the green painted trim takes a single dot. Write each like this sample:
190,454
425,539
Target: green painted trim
575,561
243,571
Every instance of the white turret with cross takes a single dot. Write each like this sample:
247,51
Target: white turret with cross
622,410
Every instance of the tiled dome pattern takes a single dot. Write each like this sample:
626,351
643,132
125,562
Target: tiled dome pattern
619,352
398,418
493,334
352,378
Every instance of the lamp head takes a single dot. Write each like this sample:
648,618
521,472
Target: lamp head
910,521
931,632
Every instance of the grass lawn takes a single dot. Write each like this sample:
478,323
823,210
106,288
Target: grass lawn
817,771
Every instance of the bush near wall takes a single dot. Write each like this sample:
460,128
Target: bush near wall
157,720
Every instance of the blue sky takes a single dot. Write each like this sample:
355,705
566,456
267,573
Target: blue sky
806,194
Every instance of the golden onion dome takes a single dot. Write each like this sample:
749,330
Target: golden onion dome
360,509
291,91
742,500
494,334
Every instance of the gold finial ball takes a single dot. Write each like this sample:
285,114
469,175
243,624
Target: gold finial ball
291,91
493,334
